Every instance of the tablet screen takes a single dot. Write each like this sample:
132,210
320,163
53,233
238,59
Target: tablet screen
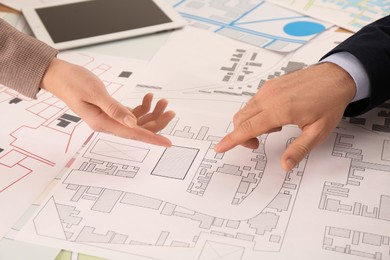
99,17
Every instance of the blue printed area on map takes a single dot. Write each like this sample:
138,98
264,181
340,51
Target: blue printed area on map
253,21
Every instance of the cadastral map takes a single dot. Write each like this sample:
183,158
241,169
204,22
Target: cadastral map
124,199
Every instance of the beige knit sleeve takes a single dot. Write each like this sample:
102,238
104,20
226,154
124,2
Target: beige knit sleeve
23,60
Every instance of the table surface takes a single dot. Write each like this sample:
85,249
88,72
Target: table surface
4,8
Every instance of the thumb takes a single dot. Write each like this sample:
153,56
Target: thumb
298,149
118,112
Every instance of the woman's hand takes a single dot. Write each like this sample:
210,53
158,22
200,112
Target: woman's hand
86,95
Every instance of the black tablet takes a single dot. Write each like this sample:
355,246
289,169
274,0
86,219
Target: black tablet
74,23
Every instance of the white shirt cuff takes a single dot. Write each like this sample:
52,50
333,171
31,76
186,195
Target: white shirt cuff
354,67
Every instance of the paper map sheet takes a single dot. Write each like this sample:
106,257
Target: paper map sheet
348,14
123,199
253,21
40,136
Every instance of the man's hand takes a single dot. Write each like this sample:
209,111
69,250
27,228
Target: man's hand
86,95
314,99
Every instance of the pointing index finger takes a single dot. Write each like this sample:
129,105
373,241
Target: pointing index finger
247,130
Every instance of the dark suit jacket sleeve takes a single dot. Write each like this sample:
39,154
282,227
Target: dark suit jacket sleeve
23,60
371,45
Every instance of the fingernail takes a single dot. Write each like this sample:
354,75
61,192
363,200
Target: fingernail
167,143
217,147
291,164
130,121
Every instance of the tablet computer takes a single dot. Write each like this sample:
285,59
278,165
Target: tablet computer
68,24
